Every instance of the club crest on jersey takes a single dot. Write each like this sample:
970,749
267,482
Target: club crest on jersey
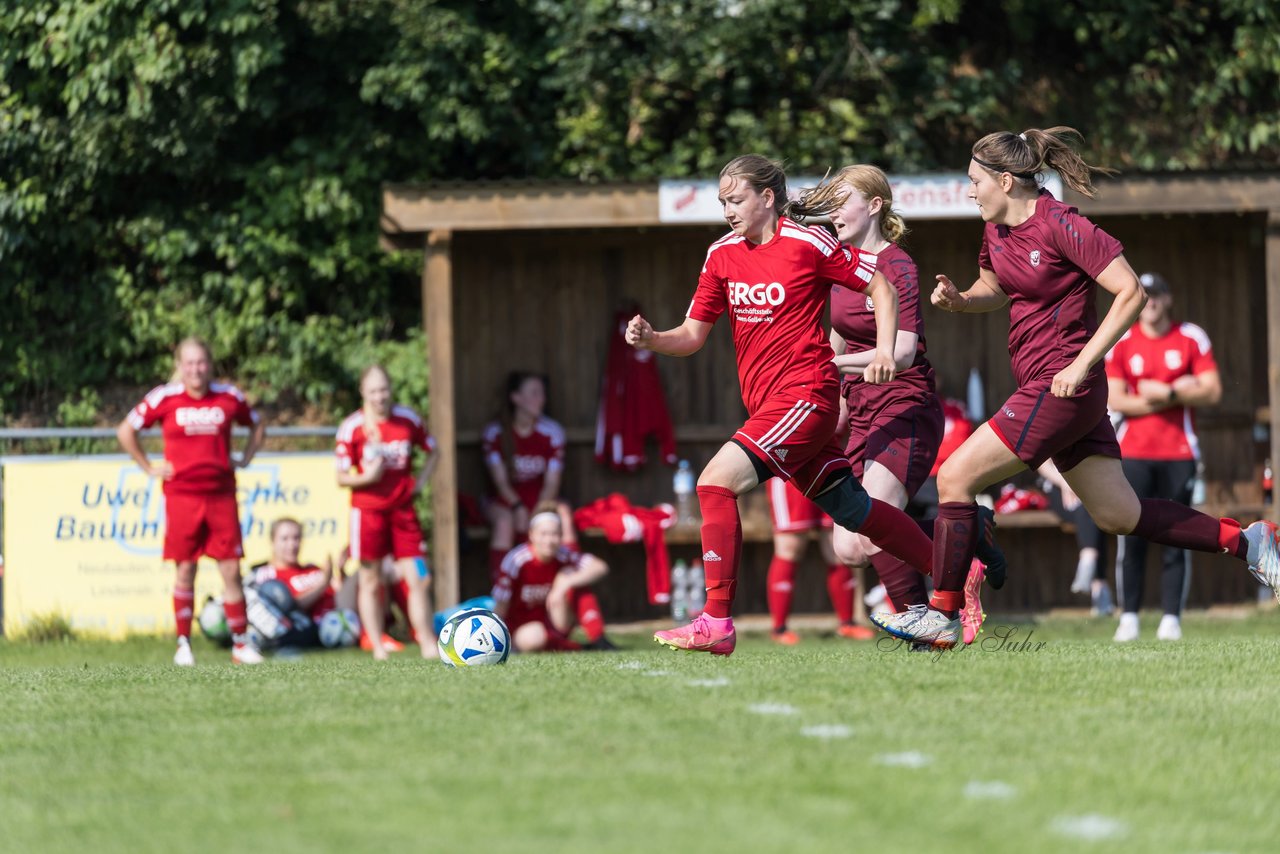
1034,257
761,293
870,305
1172,359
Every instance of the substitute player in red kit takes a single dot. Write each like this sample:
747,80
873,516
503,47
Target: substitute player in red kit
311,585
524,453
201,518
1046,262
772,276
895,429
375,446
537,588
1158,373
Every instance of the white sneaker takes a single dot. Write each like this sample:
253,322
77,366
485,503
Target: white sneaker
1170,628
183,656
1128,628
1086,569
245,653
1264,553
921,624
876,597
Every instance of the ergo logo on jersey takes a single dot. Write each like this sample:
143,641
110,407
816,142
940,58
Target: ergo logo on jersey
758,294
200,416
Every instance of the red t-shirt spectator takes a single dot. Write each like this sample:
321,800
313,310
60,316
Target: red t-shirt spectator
1184,350
394,440
197,434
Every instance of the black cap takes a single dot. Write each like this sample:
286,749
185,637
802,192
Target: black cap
1154,283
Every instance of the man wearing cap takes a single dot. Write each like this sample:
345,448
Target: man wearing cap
1158,373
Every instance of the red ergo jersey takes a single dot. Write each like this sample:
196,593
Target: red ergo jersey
394,440
197,434
532,456
524,581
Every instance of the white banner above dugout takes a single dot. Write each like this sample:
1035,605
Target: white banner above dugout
942,196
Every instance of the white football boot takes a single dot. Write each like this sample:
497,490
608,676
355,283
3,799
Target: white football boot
1170,628
1264,553
921,624
244,652
183,656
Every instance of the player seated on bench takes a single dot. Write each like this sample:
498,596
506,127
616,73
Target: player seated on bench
543,589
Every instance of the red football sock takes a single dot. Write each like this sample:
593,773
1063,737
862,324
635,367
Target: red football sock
898,534
903,584
721,546
587,608
779,586
183,606
841,587
236,622
954,539
1172,524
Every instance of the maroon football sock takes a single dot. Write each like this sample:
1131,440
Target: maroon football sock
903,583
898,534
1172,524
955,536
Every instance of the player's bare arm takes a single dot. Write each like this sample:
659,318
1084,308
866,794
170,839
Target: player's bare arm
428,469
1119,399
128,438
371,474
257,435
1119,280
881,368
904,353
685,340
984,294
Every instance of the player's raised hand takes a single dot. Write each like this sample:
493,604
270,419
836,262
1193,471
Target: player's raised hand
880,370
946,295
639,332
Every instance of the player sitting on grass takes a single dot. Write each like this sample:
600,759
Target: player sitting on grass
543,585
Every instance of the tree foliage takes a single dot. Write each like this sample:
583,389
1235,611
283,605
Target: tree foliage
214,166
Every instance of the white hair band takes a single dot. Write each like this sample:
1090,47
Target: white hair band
544,516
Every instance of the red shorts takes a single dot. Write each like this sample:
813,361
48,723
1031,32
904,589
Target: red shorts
378,533
795,438
207,525
792,512
1038,426
903,437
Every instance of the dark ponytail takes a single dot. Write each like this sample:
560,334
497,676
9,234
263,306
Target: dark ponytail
1025,156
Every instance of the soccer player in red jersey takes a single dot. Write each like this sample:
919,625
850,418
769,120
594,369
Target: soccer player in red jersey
1158,373
537,588
201,518
375,446
524,453
772,276
310,585
1046,262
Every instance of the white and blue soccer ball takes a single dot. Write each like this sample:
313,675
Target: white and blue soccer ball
339,627
474,637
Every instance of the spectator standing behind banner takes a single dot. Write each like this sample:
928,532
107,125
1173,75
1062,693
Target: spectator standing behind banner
201,518
1158,373
524,453
375,447
633,407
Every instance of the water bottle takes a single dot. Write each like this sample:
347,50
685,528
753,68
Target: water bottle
683,484
680,592
1267,482
974,402
1197,487
697,589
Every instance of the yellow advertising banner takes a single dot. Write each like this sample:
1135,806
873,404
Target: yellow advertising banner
83,536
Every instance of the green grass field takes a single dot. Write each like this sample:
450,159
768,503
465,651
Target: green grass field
1078,744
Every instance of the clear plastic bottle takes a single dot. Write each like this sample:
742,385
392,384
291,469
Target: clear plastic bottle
1267,482
697,595
683,485
680,591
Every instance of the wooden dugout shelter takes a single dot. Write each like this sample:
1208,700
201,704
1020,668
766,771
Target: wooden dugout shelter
529,276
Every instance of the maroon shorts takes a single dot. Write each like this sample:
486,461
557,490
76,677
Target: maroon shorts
378,533
795,439
1038,426
197,525
903,437
791,511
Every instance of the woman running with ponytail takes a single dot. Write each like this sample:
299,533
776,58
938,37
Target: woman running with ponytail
1046,261
772,276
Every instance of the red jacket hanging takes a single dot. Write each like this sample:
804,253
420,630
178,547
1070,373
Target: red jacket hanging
633,406
624,523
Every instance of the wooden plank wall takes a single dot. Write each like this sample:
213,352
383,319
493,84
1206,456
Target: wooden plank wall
545,301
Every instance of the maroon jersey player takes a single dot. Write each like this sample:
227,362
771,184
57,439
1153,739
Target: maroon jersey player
201,518
375,448
1046,261
524,454
772,277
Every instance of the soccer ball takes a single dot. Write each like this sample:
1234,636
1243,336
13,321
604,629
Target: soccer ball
339,628
474,637
213,621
